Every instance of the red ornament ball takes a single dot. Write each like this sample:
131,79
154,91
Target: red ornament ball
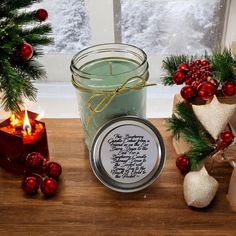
49,187
25,51
179,77
183,164
34,162
183,67
229,88
41,15
188,92
227,136
207,90
30,185
53,169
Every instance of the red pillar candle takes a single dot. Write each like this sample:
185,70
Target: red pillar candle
18,138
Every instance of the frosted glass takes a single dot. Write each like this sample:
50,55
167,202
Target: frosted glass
70,23
173,26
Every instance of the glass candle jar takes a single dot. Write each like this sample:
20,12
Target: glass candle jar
110,82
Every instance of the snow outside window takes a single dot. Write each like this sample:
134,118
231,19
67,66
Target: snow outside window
70,23
173,26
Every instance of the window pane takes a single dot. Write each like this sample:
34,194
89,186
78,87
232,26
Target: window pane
173,26
70,24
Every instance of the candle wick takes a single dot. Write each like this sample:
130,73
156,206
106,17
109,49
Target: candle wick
110,68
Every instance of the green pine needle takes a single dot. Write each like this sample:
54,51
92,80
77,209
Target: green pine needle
16,74
184,123
223,66
170,66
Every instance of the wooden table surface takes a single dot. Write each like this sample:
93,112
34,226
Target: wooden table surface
84,206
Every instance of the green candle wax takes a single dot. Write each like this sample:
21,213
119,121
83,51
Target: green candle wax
104,76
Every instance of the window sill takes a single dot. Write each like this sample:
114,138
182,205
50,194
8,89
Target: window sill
58,100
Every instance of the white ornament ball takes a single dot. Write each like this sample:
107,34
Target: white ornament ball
199,188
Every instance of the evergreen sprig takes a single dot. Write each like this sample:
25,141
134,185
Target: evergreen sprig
170,66
223,65
185,124
16,74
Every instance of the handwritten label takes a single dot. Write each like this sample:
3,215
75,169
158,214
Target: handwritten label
129,154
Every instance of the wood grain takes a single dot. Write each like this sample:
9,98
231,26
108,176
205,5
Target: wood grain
84,206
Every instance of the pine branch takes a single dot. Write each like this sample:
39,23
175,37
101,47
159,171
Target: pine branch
16,72
24,17
170,66
186,124
223,64
12,5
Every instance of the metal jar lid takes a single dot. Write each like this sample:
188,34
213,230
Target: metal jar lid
127,154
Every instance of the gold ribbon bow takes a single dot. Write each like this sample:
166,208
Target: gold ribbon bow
102,99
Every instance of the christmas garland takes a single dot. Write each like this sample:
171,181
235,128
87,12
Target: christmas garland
203,79
19,46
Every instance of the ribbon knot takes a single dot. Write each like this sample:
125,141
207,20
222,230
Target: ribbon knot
101,100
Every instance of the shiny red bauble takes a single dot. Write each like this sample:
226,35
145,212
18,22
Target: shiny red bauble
183,67
53,169
227,136
188,92
179,77
183,164
25,51
34,162
207,90
41,15
49,187
229,88
30,185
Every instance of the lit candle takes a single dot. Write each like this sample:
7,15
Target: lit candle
110,82
20,135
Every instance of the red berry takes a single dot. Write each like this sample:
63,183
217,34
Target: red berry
30,185
229,88
189,81
34,162
198,62
183,164
183,67
206,90
195,84
207,68
41,15
192,64
194,75
188,92
203,78
227,136
179,77
49,187
205,62
53,169
25,51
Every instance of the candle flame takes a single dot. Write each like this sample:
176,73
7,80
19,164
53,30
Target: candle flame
26,125
14,121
